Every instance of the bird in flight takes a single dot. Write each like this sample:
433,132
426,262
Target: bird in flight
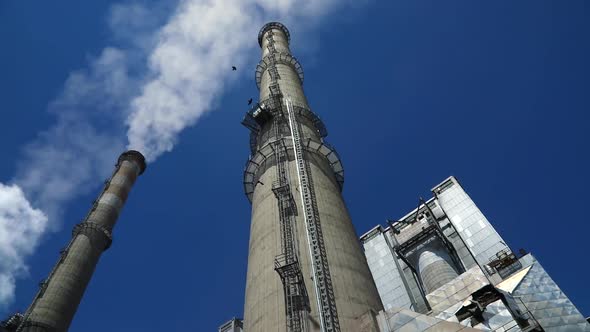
250,101
234,68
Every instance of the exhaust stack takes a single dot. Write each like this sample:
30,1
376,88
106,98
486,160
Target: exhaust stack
58,298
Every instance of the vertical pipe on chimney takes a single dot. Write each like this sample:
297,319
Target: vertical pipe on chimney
56,302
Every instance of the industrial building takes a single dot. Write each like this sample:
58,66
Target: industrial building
444,261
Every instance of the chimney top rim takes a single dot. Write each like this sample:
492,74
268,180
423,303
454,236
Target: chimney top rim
136,156
270,25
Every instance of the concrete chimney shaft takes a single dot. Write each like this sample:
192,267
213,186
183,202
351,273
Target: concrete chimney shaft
56,302
343,289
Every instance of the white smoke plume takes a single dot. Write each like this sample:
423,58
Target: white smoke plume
168,68
189,66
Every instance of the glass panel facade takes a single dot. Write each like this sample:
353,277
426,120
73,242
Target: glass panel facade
475,229
547,303
385,271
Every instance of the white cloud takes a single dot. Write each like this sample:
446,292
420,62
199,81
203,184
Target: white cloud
20,229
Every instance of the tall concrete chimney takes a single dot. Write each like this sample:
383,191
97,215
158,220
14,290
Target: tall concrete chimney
306,269
56,302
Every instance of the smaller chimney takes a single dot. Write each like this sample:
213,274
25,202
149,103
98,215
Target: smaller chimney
56,302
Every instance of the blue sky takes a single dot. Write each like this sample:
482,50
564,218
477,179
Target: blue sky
494,93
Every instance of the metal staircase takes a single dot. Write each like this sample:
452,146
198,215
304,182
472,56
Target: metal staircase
286,264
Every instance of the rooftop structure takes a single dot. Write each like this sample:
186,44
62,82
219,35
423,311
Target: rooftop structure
233,325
